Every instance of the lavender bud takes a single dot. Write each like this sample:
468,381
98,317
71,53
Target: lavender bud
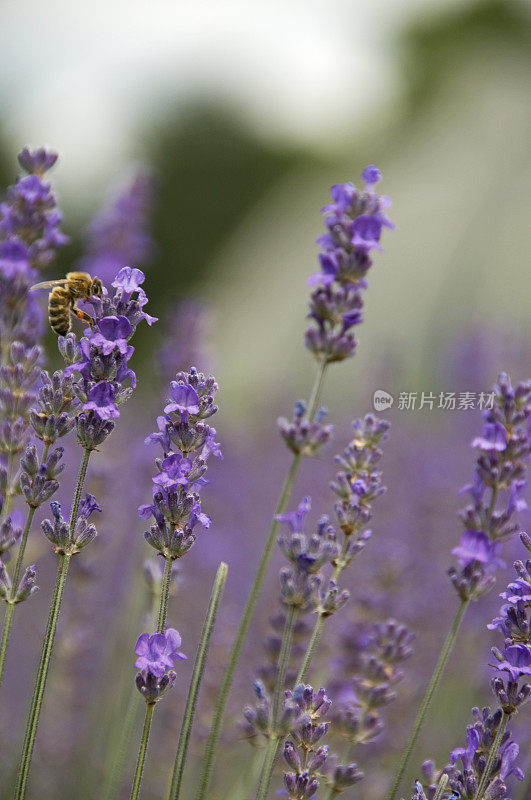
92,430
27,585
292,757
346,776
30,461
68,348
5,582
152,688
317,761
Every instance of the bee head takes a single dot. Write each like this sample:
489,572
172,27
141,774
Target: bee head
96,289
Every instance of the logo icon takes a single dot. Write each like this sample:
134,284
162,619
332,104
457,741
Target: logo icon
382,400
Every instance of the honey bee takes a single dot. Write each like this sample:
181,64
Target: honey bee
62,301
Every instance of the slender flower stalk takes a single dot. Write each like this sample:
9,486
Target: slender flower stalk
164,595
354,222
49,636
428,696
267,767
274,742
195,683
141,760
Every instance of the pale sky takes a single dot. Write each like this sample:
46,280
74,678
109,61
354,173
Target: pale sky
85,77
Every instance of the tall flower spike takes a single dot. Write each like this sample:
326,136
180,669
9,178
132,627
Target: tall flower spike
29,236
496,492
354,221
105,378
187,442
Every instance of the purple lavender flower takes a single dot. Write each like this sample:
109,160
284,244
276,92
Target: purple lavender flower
480,737
187,443
29,237
158,653
365,675
58,530
105,379
101,400
515,659
313,761
475,546
496,490
354,220
303,436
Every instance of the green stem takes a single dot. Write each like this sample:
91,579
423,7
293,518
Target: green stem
492,757
8,619
441,787
164,595
142,752
241,634
430,691
314,641
40,683
202,651
8,499
78,492
267,769
274,742
47,647
285,651
316,391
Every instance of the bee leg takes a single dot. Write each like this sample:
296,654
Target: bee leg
83,316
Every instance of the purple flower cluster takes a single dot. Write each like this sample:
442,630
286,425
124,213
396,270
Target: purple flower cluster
29,234
304,436
496,491
29,217
366,672
58,531
118,235
514,622
354,220
307,555
187,442
102,356
307,758
359,482
156,658
473,757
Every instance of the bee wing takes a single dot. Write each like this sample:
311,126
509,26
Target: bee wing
49,284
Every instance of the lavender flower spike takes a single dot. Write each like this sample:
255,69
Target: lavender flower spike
354,221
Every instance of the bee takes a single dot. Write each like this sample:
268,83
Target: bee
62,300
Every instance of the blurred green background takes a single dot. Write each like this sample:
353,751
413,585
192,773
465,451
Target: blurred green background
247,113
